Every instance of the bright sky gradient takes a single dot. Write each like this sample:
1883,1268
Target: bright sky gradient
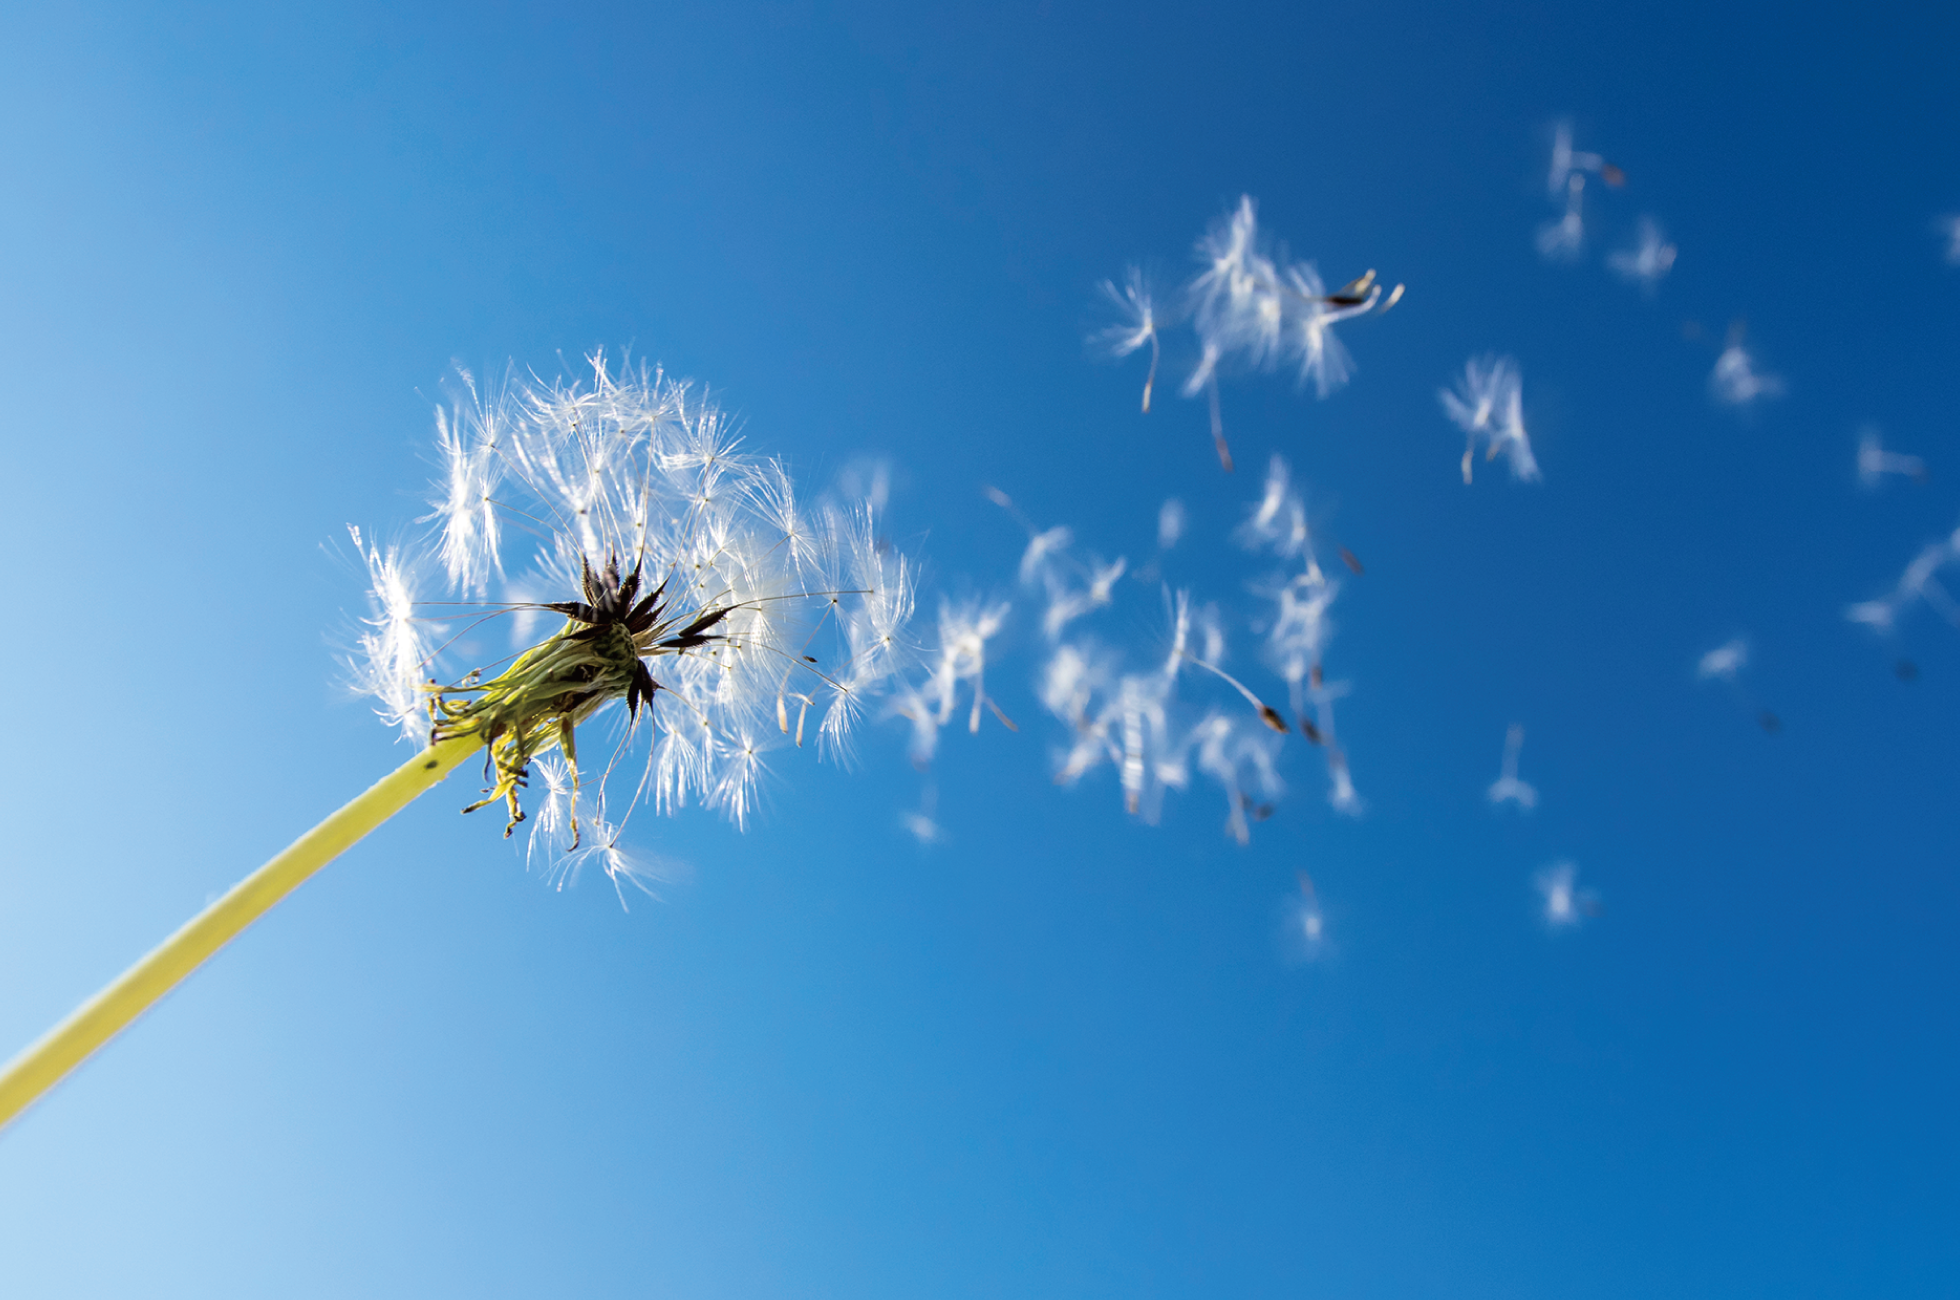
1061,1054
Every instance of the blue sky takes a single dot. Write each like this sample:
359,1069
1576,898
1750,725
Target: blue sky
1062,1053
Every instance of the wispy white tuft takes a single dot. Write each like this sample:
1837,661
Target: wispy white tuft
1137,720
1736,381
1136,324
1648,261
919,823
1298,627
1565,904
559,848
1170,523
1507,787
1488,404
470,439
1569,164
1874,462
1920,581
1253,307
1724,661
964,631
1304,924
392,660
1563,239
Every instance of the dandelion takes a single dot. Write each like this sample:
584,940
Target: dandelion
1648,261
1136,324
691,595
1561,240
1565,904
1488,403
1724,661
1874,462
1507,786
1735,381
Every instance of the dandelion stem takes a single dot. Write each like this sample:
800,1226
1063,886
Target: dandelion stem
69,1043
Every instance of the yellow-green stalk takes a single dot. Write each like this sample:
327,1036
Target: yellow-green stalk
69,1043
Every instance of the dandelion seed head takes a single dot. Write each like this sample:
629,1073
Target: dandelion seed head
691,593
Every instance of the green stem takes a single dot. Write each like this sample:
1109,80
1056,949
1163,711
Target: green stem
96,1021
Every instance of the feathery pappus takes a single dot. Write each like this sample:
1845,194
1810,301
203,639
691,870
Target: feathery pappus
1565,905
1562,239
960,658
1568,162
1875,462
706,616
1648,261
1920,581
1138,719
1724,661
1508,787
1736,379
1488,404
1250,307
1297,627
1304,922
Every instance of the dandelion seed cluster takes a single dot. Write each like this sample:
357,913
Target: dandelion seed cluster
704,615
1163,714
